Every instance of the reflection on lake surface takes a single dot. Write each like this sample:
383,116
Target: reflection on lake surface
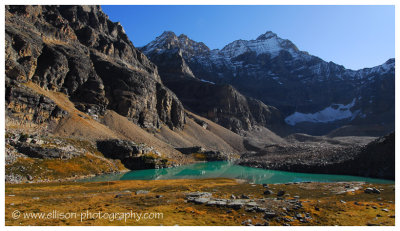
229,170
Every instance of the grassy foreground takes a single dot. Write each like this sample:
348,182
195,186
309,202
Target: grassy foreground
327,203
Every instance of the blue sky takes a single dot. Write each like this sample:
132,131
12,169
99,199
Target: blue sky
353,36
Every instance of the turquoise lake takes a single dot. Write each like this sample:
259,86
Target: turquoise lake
229,170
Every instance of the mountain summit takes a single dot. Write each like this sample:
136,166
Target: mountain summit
267,35
268,43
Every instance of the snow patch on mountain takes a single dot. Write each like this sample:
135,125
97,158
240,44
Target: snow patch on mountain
329,114
387,67
381,69
206,81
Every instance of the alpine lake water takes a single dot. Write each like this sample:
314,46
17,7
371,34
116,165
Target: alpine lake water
225,169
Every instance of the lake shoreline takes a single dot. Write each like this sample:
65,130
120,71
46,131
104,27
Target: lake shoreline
229,169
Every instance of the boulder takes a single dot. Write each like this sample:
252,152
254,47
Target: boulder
198,194
139,192
372,190
269,215
201,200
267,192
280,193
235,204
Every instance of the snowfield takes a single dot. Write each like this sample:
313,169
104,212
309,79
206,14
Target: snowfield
329,114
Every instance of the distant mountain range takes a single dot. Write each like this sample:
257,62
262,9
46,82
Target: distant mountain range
312,95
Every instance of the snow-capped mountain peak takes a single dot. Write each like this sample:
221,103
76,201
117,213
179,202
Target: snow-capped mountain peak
268,43
166,36
267,35
168,40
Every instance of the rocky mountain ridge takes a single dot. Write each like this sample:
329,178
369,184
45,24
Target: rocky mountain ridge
300,85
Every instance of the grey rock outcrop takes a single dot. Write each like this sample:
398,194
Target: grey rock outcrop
24,104
132,155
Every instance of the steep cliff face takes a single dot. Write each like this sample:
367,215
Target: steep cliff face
221,103
78,51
